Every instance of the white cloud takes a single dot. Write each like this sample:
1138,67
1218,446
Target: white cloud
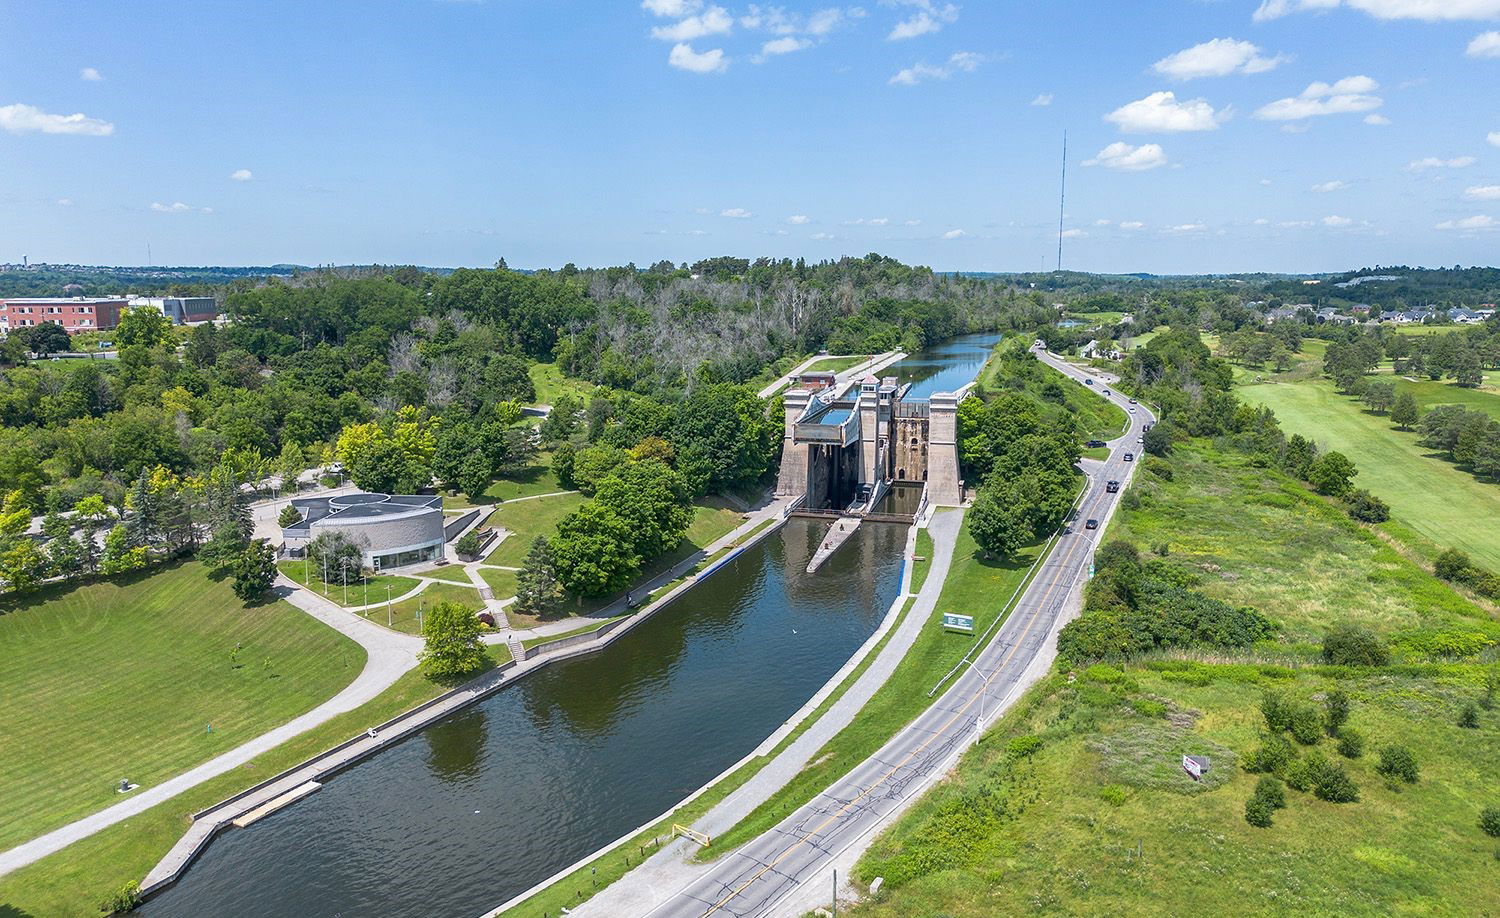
90,74
1261,221
1427,10
1042,100
1073,234
1433,162
930,17
1123,157
1325,187
242,175
955,234
822,236
911,223
799,219
1377,120
64,202
1336,221
674,9
1351,94
1494,138
1482,193
1185,228
177,207
1219,57
1101,222
713,21
1132,225
736,213
1477,222
683,57
784,45
696,232
1295,224
958,62
1266,183
28,119
1485,44
1161,112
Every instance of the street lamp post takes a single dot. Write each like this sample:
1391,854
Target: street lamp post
983,687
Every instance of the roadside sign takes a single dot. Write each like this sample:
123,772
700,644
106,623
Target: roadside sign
955,622
1195,766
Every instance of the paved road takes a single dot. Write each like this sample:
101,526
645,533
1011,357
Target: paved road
755,879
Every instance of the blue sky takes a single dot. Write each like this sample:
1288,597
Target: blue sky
1299,135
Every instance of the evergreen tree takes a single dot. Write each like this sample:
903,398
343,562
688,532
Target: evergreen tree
1404,411
254,570
537,591
143,523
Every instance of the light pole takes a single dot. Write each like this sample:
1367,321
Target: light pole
983,687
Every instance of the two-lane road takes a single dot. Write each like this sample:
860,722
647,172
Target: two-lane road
753,880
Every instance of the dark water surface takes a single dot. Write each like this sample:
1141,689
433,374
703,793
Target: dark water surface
945,367
479,807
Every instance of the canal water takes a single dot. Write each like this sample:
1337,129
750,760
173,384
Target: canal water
481,806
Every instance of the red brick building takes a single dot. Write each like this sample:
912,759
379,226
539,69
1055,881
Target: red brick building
74,314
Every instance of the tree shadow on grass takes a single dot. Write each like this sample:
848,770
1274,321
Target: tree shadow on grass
53,591
10,911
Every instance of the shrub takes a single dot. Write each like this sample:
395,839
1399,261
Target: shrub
1149,708
1351,743
1273,755
468,544
1270,790
1366,507
1468,718
1349,644
1306,724
1489,820
1397,762
1021,747
1333,784
1301,774
1112,794
1258,813
1159,467
1277,713
1336,711
125,899
1453,565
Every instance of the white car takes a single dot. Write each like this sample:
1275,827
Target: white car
1132,411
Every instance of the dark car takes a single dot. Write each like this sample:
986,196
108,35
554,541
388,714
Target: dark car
1112,486
1130,457
1132,401
1095,444
1091,524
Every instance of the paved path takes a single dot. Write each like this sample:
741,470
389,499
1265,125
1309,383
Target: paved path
388,656
668,870
784,871
874,365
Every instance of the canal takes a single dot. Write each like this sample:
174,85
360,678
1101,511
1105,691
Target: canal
479,807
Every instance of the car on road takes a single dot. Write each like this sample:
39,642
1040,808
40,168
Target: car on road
1130,457
1140,439
1095,444
1091,524
1088,382
1132,411
1132,401
1112,487
1106,392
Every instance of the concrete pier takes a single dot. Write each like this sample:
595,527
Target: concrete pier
838,534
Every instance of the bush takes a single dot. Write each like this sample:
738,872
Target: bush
1336,711
1489,820
1159,467
1112,794
1349,644
1270,790
1351,743
1306,724
468,544
1333,784
1273,755
1258,813
1366,507
1453,565
1301,774
1397,762
125,899
1276,711
1021,747
1468,718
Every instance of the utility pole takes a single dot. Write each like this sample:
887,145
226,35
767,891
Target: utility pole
1062,199
835,892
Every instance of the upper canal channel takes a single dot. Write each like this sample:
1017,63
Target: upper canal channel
477,808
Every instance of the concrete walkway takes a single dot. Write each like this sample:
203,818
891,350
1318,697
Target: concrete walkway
668,871
388,656
874,365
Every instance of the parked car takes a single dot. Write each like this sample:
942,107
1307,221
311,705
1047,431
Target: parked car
1112,487
1130,457
1095,444
1091,524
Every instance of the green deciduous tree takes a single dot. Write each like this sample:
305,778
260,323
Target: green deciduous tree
594,551
453,646
254,570
1404,413
1332,473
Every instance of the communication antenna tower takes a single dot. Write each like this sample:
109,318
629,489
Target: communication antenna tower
1062,200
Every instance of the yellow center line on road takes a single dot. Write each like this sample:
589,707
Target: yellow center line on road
837,814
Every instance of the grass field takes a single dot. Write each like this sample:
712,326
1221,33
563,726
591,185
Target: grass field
122,680
453,573
1101,820
502,583
1439,500
526,520
549,382
301,572
73,881
1254,537
402,616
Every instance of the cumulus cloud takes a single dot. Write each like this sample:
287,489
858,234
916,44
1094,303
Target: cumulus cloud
713,21
911,223
1132,225
1485,44
1123,157
1073,234
1349,95
929,17
90,74
177,207
1433,162
1042,100
958,62
1377,120
1426,10
1482,193
1185,228
1476,222
784,45
1160,112
683,57
799,219
1325,187
242,175
1219,57
822,236
955,234
672,8
64,202
1494,138
736,213
1336,221
28,119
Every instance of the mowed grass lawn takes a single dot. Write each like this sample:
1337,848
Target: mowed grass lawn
404,616
1436,498
1101,820
1254,537
525,520
374,586
122,680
